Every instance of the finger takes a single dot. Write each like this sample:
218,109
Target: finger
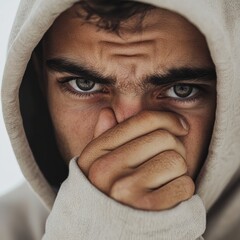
169,195
158,171
106,120
140,124
135,155
163,198
140,150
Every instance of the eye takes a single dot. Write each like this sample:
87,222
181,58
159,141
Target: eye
84,85
182,91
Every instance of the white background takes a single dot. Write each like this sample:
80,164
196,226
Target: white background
10,175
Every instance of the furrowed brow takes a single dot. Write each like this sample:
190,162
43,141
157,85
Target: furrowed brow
181,74
67,66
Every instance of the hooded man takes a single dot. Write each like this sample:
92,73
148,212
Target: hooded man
140,101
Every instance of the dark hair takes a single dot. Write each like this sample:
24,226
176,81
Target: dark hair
109,14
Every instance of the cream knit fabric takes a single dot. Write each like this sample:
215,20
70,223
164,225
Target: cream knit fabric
95,216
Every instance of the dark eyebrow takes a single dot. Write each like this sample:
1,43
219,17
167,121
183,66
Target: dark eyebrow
68,66
181,74
172,76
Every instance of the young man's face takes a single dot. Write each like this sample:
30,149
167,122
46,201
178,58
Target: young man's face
165,67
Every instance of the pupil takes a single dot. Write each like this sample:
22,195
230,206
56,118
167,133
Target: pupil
85,85
182,90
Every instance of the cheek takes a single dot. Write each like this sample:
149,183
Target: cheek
73,124
197,141
74,121
74,130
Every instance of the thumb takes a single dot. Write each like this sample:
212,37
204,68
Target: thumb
106,120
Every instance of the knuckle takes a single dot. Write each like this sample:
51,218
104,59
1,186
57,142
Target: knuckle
116,190
170,139
190,186
86,155
121,191
88,149
82,159
181,164
175,161
174,143
144,202
95,173
144,115
187,186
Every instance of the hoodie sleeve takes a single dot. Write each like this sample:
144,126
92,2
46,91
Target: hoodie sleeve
83,212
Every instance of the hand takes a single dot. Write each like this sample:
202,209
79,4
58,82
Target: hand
139,162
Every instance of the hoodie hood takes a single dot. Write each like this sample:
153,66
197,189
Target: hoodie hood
28,123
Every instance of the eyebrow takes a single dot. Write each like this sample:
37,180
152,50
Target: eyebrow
67,66
180,74
172,76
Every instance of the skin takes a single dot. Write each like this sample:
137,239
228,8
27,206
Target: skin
138,143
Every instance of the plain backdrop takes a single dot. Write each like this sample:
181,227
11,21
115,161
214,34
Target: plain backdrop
10,174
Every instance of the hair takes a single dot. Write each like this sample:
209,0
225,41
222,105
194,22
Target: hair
109,15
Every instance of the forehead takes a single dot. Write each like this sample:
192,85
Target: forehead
166,40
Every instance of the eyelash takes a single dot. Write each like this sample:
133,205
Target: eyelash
201,90
64,85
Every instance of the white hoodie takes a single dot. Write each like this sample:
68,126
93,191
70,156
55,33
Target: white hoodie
79,210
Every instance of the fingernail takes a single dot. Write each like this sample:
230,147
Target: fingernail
184,123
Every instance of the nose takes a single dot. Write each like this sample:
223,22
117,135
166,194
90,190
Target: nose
125,106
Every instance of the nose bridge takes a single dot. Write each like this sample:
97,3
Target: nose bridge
126,106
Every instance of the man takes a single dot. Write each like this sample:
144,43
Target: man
125,93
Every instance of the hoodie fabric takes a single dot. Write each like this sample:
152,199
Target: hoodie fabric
79,210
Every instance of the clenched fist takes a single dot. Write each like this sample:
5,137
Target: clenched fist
139,162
